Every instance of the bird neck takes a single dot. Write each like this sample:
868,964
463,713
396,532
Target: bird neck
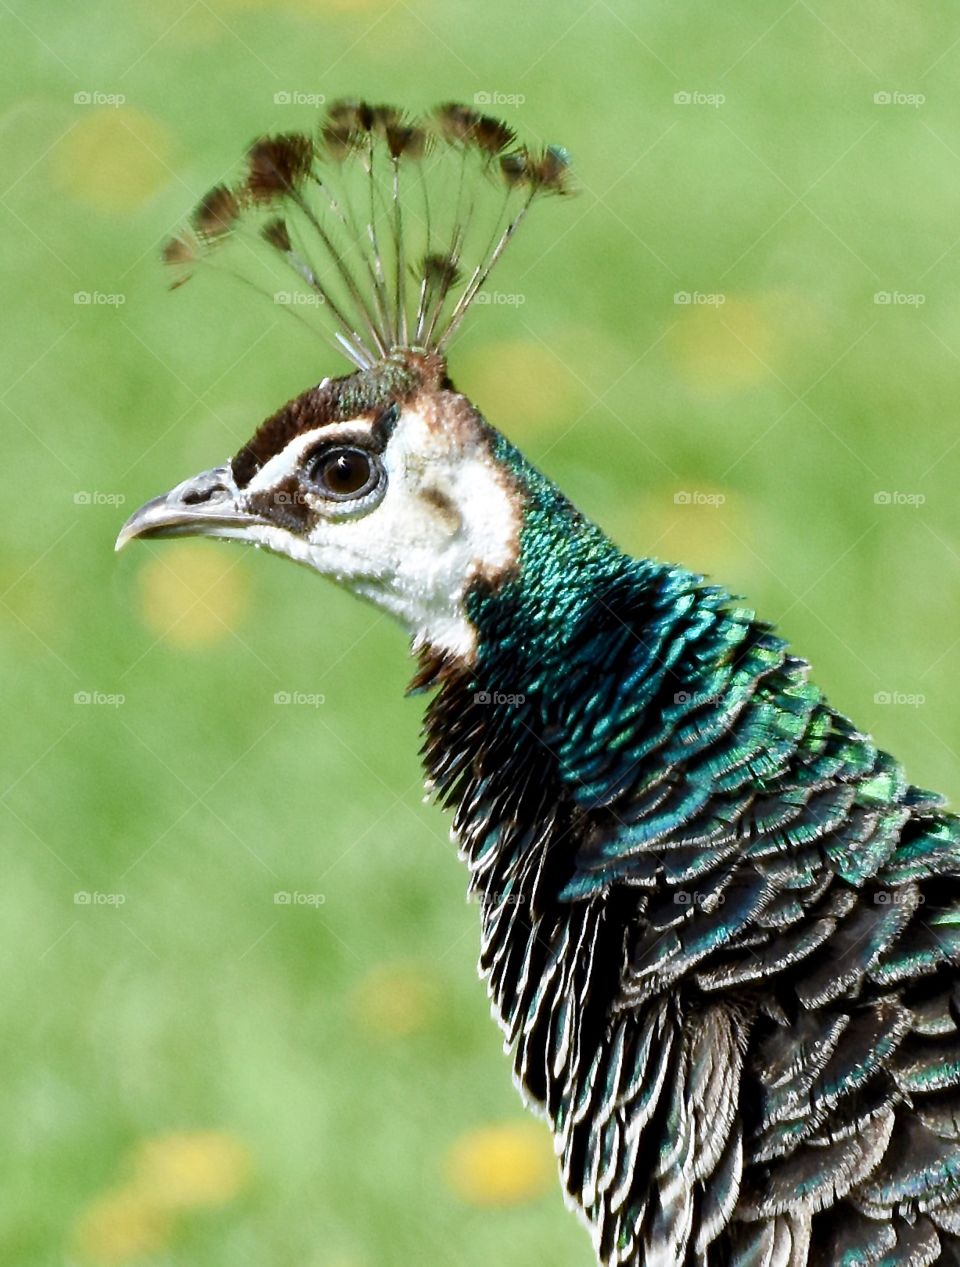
551,638
527,622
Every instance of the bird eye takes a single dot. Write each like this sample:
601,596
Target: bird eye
344,473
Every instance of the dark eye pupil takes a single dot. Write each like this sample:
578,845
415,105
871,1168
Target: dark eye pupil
345,472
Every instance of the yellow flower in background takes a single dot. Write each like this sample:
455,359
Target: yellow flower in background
705,526
121,1225
172,1174
193,594
35,595
226,7
722,346
221,21
521,385
393,1000
115,158
298,8
195,1168
501,1164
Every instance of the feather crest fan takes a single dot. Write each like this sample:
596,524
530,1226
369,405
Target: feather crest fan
392,222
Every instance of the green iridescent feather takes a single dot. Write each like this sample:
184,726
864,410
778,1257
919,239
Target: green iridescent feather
670,828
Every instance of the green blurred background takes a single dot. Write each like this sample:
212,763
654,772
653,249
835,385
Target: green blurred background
192,1072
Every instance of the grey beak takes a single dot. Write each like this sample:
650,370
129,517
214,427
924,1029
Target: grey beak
205,505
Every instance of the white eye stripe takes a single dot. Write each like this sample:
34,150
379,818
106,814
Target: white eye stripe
354,429
290,460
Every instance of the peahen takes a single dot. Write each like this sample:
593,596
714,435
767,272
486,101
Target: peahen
720,930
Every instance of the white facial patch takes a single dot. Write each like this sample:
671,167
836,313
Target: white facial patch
448,516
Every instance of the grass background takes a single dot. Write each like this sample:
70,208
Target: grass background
198,1074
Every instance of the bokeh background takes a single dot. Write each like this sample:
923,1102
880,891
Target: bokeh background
738,347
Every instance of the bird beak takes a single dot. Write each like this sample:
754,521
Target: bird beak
207,505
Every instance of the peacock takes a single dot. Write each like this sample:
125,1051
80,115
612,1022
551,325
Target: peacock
719,928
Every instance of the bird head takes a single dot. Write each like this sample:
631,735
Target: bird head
386,480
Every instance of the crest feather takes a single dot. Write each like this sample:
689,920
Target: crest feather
393,222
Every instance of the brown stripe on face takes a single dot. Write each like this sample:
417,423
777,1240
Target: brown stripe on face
286,506
444,508
314,408
367,394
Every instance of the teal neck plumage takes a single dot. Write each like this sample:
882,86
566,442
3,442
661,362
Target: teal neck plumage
566,562
682,855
